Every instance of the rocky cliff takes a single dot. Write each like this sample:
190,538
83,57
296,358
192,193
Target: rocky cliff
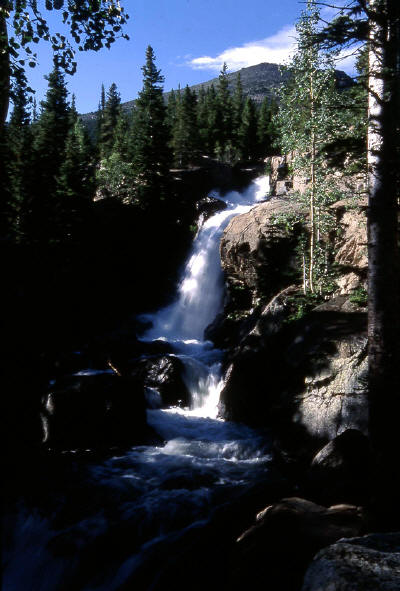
296,365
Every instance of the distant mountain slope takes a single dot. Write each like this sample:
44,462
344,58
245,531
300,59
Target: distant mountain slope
258,82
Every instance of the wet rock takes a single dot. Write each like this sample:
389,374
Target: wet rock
208,206
285,537
342,469
370,563
165,375
94,411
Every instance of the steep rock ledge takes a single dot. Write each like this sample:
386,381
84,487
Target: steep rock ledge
305,377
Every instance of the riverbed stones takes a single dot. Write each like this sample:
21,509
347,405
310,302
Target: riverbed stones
369,563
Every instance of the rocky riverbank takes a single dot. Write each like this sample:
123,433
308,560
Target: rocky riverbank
299,368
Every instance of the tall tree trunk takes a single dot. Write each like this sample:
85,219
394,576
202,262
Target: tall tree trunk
4,66
383,248
312,193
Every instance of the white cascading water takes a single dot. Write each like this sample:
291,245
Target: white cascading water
162,490
199,300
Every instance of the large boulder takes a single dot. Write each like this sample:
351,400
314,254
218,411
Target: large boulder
257,248
342,470
208,206
94,411
370,563
162,374
303,378
279,546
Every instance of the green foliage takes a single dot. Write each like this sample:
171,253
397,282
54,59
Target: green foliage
302,305
247,133
149,141
185,141
115,178
266,127
19,173
310,118
359,297
109,118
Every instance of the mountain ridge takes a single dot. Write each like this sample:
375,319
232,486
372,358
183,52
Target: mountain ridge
258,81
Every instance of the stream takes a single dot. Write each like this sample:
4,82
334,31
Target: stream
103,519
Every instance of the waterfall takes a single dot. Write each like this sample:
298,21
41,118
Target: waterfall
198,301
135,504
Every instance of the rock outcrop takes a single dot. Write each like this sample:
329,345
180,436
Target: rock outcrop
370,563
304,377
257,248
290,364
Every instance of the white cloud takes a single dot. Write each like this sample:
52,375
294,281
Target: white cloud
275,49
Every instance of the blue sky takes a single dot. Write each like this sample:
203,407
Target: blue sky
191,40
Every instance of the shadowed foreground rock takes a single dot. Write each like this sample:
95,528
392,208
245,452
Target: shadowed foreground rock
278,548
342,470
371,563
94,411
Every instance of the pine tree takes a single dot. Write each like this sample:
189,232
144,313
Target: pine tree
20,158
202,119
237,112
51,132
100,117
110,116
172,108
149,143
207,119
185,137
223,145
266,127
247,134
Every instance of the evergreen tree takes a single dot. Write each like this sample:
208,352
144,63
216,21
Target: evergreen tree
185,137
51,131
121,135
202,119
207,119
149,142
237,112
247,134
110,116
172,108
223,118
266,127
100,116
75,182
20,158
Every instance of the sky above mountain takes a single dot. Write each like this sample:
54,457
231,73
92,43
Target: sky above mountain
191,40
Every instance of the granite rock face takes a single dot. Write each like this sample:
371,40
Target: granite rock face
256,246
306,376
370,563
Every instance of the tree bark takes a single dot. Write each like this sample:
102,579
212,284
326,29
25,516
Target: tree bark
4,66
383,248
